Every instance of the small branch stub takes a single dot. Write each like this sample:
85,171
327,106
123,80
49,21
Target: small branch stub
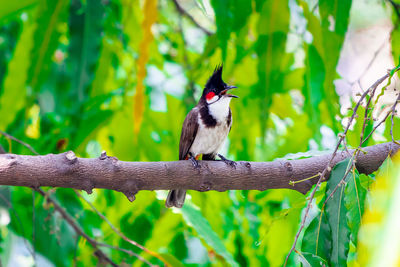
71,157
131,196
103,155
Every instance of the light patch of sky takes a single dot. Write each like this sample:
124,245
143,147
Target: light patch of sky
197,253
280,124
93,149
171,80
328,137
195,39
4,217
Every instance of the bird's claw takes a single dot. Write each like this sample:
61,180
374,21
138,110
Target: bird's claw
195,163
227,161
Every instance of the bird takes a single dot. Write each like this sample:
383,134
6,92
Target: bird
205,129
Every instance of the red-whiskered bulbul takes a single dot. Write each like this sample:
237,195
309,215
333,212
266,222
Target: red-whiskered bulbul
205,129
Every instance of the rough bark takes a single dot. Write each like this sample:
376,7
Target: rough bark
66,170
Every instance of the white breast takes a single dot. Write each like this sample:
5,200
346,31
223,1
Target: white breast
210,139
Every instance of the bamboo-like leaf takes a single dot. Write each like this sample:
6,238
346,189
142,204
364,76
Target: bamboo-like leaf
241,10
354,199
223,20
193,216
313,89
336,214
9,34
86,27
14,90
150,17
9,8
49,16
317,239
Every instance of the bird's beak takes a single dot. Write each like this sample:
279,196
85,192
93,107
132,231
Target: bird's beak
229,87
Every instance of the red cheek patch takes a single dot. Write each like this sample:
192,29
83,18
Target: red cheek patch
210,95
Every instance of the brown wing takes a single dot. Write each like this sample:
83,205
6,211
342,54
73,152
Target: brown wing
188,134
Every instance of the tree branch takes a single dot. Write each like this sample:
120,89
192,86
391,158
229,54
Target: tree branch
66,170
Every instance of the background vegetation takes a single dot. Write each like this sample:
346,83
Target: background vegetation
121,75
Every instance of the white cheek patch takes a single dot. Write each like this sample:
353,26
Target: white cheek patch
220,109
213,99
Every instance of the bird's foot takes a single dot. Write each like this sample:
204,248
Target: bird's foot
195,163
227,161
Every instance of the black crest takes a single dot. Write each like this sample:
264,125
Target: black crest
215,81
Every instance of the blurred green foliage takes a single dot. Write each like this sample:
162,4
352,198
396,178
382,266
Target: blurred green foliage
82,75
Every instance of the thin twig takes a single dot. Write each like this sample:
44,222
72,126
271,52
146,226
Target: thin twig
345,147
182,11
100,254
19,141
373,130
130,253
366,116
118,232
392,118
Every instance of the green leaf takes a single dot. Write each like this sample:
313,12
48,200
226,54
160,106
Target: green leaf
49,16
14,90
193,216
340,12
90,124
273,61
171,260
313,260
317,239
354,199
86,24
336,214
223,19
395,38
328,43
9,8
313,89
241,10
395,131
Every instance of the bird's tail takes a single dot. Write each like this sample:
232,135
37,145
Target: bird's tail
175,198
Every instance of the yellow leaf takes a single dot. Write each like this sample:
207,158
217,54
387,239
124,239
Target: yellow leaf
150,17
